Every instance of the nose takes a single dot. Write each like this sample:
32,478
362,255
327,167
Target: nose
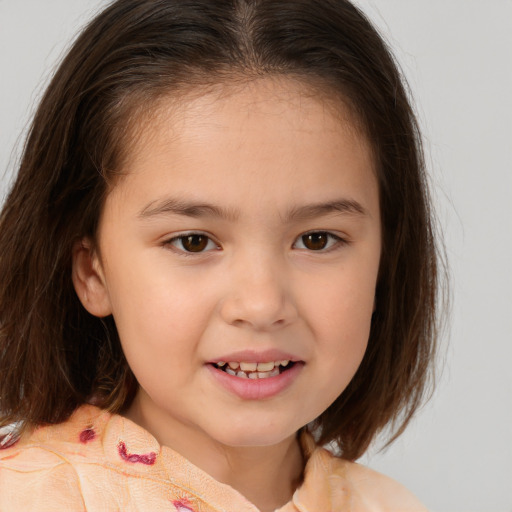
259,296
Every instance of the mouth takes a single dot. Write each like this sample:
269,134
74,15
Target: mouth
253,370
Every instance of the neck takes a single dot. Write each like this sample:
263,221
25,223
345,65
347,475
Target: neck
267,476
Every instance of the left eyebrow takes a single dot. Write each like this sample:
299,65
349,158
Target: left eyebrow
343,206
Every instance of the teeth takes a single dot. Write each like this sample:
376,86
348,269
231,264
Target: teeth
265,367
249,367
252,367
246,370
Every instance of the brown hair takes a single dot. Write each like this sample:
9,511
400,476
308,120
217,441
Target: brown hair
54,355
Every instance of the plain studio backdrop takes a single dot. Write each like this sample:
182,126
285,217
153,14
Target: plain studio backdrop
457,57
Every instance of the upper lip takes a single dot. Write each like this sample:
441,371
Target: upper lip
253,356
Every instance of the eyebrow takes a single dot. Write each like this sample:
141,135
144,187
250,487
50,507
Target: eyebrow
343,206
173,206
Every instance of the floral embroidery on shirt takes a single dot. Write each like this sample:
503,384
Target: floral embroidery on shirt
87,435
182,505
148,458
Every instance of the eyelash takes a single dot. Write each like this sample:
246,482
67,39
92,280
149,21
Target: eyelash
333,242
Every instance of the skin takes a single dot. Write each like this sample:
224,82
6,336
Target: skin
257,152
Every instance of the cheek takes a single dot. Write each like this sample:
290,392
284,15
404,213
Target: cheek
340,312
152,295
343,340
163,322
342,304
162,332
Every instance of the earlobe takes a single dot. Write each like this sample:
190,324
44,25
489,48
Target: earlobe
89,280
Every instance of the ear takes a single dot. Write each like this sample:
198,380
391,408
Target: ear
89,280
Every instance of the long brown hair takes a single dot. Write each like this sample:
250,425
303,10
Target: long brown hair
55,356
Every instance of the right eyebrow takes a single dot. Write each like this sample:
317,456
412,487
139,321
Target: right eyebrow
174,206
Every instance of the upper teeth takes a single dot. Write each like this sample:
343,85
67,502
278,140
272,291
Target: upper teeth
253,367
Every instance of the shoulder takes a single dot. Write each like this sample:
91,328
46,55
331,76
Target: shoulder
41,470
93,461
380,490
37,470
50,445
336,483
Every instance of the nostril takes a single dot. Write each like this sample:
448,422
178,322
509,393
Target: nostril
263,308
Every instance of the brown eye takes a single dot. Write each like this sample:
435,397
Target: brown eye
315,241
318,241
194,243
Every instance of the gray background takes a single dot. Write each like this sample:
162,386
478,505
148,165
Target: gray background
457,57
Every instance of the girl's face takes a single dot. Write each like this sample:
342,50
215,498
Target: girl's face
245,231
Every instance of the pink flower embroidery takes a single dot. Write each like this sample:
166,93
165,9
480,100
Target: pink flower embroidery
148,458
182,505
87,435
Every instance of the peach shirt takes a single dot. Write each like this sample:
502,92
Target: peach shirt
97,461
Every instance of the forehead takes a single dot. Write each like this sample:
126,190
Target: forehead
241,105
269,135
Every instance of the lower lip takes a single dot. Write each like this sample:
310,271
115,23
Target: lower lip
256,389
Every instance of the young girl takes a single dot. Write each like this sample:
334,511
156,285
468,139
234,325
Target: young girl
217,258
